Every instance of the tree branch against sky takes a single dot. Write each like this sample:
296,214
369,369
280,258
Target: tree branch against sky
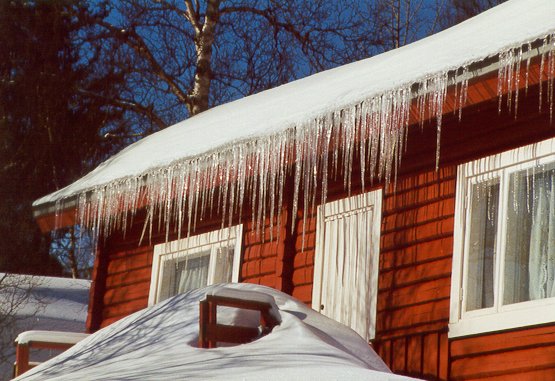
15,294
182,57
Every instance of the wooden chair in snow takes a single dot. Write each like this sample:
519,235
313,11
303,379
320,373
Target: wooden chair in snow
211,332
28,340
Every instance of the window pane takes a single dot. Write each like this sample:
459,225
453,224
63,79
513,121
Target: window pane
482,242
530,246
192,272
224,265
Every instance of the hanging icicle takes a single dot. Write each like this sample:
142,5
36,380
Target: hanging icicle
255,172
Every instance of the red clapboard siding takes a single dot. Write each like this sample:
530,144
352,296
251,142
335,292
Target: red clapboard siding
415,274
128,267
260,253
416,252
127,280
504,363
525,354
421,355
118,311
304,251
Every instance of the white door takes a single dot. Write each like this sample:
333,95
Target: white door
346,263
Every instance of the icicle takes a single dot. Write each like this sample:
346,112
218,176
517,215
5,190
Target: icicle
327,128
297,180
504,60
529,48
517,80
255,171
463,91
541,75
551,75
440,92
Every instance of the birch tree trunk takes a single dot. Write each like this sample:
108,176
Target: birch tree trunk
204,41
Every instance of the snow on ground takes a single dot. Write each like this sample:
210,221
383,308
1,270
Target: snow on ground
159,342
55,304
509,25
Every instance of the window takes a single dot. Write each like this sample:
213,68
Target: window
195,262
346,261
504,243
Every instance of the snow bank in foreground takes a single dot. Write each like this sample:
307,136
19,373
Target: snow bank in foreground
160,342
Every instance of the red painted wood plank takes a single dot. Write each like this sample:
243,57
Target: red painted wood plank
504,363
416,252
413,316
494,342
434,269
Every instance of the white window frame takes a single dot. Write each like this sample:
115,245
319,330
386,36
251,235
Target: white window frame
499,317
370,201
174,250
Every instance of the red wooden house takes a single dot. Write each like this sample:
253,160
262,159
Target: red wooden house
410,196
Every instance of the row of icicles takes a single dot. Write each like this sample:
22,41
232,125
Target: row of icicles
221,182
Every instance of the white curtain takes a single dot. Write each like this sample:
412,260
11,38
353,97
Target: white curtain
482,245
224,265
347,252
192,273
542,238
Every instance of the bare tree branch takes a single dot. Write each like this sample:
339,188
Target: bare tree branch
147,111
137,43
193,16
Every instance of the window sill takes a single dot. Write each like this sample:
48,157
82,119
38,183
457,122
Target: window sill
514,316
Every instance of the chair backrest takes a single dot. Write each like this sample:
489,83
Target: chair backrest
211,332
28,340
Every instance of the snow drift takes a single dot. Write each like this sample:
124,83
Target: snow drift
160,343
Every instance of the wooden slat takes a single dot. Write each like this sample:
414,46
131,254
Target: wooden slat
539,374
422,232
419,196
415,253
303,293
422,292
504,363
492,343
412,217
137,290
233,334
422,272
139,275
21,359
125,308
413,316
132,261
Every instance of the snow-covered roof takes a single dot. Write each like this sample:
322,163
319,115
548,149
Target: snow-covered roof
160,343
301,113
54,304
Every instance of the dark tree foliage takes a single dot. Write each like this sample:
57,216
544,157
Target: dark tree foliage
51,128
